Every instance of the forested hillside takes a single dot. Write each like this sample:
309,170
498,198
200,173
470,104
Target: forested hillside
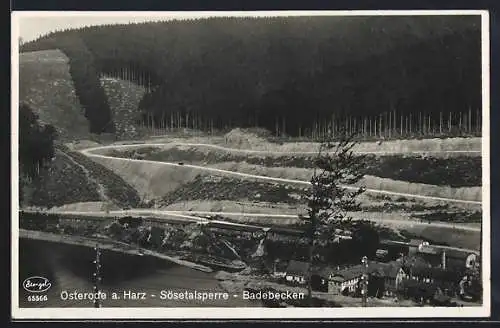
299,76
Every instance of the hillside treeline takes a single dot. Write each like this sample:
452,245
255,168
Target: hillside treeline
294,76
36,143
36,146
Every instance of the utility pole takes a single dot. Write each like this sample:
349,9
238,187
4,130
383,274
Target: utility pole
364,280
97,275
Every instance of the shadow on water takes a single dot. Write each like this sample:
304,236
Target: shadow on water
116,268
41,258
70,268
35,260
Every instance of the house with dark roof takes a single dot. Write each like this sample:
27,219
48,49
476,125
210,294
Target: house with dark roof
297,272
448,258
345,281
383,278
392,274
447,279
418,291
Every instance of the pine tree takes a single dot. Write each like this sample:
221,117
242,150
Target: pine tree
329,200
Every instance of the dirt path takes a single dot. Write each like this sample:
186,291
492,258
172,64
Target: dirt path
100,188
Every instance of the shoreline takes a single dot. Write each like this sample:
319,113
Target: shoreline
107,244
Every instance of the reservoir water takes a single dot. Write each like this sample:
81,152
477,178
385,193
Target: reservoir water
70,268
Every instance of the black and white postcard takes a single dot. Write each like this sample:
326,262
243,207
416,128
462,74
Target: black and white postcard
244,165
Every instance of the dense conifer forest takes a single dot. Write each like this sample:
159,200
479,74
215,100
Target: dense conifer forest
296,76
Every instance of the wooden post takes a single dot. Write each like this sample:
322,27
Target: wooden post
97,275
364,280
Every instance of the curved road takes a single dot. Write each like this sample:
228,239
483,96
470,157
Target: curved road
255,151
195,217
191,216
90,153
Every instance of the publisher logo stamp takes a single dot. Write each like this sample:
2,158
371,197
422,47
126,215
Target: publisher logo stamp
36,284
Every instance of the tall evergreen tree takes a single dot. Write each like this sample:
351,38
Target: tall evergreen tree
330,198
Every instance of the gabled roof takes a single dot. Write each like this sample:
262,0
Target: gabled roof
338,279
350,273
325,272
297,267
435,273
390,269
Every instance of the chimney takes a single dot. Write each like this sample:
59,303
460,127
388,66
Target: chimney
443,260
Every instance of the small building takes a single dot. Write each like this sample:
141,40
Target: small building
297,272
394,275
418,291
448,258
345,281
445,278
384,278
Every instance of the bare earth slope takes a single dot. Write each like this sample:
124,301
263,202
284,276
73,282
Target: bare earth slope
46,84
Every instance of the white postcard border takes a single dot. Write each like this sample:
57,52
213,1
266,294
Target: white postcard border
251,313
